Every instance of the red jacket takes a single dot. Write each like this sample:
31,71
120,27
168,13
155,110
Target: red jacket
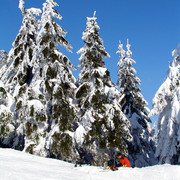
124,162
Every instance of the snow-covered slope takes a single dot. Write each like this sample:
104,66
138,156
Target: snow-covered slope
15,165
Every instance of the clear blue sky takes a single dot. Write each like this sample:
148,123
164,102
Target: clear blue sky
152,27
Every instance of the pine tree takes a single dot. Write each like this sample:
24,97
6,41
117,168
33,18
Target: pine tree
18,75
141,148
53,86
101,122
20,56
166,103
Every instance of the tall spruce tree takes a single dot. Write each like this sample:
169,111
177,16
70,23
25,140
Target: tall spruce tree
20,56
141,148
102,125
166,103
18,75
50,128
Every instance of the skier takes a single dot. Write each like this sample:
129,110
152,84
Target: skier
123,161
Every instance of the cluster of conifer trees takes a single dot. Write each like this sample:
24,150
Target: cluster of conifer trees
46,111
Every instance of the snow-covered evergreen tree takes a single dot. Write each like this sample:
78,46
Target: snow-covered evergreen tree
166,103
50,128
20,56
141,148
18,75
102,125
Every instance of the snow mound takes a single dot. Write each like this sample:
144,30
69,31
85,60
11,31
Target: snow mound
15,165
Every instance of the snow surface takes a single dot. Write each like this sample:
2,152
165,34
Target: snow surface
16,165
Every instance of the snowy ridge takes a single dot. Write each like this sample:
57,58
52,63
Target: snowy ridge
15,165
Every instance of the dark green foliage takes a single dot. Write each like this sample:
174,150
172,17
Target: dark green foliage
35,127
3,93
22,91
30,148
65,60
18,39
64,122
54,57
47,27
45,52
16,62
65,143
41,97
48,87
117,135
5,119
82,91
51,46
86,104
18,105
45,39
96,74
62,145
17,50
143,123
86,76
28,129
107,73
59,93
99,100
40,117
97,132
29,75
22,79
30,52
40,72
51,73
97,82
32,111
64,114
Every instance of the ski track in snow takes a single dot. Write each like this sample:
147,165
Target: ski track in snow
16,165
